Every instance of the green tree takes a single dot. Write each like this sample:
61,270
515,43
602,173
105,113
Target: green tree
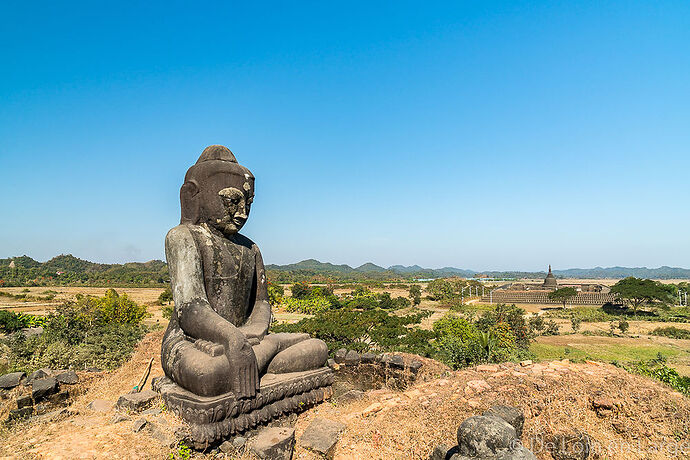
300,290
638,293
416,294
166,297
562,295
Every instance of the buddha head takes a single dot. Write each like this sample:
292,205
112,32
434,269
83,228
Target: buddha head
217,191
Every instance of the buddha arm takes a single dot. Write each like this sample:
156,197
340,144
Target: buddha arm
259,320
196,317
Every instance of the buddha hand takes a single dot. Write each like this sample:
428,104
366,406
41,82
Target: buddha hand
245,371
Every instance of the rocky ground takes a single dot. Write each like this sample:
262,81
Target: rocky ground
623,416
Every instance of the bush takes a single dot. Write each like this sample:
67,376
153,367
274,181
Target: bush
275,293
12,322
166,297
671,332
513,316
89,332
308,305
657,369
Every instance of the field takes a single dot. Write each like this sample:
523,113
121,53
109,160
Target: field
590,342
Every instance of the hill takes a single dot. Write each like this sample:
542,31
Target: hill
66,269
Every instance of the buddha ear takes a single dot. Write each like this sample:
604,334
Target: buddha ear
189,202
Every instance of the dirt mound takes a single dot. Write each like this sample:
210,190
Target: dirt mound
626,416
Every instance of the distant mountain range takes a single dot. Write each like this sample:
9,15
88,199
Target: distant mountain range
67,269
415,271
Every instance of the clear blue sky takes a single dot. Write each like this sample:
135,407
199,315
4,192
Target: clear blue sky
483,135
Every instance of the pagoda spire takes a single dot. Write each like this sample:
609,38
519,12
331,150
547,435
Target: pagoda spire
549,269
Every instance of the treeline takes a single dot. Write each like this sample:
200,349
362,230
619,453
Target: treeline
70,270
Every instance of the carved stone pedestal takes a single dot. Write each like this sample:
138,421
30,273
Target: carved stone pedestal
213,418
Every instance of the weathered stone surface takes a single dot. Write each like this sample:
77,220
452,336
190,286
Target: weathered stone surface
340,355
273,443
513,415
351,396
415,366
24,401
24,412
41,388
481,436
368,358
11,380
569,446
352,358
136,401
152,411
67,377
40,374
60,397
518,453
442,452
117,418
322,435
100,405
331,363
139,424
393,361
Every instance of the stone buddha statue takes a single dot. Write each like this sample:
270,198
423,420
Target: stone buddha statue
217,341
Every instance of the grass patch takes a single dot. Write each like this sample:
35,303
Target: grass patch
611,353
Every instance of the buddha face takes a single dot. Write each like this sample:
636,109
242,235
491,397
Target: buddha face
235,210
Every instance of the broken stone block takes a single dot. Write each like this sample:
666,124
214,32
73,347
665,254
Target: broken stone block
513,415
352,358
24,401
42,388
339,356
40,374
139,425
322,435
480,436
60,397
136,401
415,366
100,405
67,377
393,361
11,380
117,418
273,443
368,358
331,363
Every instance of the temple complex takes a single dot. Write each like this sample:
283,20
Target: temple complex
587,293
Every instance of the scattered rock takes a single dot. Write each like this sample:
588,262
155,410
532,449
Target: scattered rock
351,396
67,377
40,374
136,401
238,442
24,412
481,436
368,358
152,411
487,368
227,447
352,358
415,366
525,363
11,380
24,401
273,443
372,409
569,446
512,415
322,435
100,405
331,363
339,356
139,424
60,397
394,361
476,386
519,453
41,388
117,418
442,452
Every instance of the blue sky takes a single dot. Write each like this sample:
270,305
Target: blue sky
483,135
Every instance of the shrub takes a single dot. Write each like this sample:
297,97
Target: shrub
657,369
12,322
308,305
671,332
275,293
89,332
166,297
513,316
